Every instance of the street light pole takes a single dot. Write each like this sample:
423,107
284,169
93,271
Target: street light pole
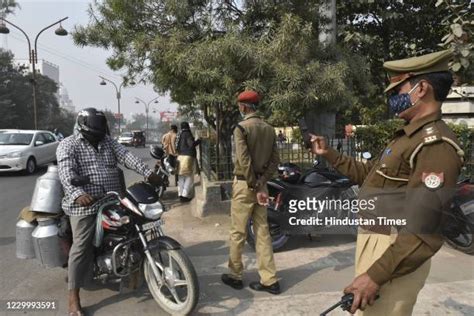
147,110
33,54
118,90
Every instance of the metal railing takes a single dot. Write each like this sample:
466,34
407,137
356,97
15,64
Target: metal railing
219,167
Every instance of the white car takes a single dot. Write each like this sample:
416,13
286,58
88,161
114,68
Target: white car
126,139
26,149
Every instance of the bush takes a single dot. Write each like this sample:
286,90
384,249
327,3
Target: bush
374,138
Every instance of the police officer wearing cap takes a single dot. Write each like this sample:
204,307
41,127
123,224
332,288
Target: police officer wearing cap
413,179
256,161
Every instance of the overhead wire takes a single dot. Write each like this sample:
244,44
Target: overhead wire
93,68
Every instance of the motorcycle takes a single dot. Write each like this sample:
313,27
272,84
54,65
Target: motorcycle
292,185
130,241
164,167
459,227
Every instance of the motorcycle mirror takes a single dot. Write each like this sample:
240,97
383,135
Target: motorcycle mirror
80,181
366,155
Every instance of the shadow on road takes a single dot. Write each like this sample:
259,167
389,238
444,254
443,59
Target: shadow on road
459,307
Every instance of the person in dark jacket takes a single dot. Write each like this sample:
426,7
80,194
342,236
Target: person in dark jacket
187,163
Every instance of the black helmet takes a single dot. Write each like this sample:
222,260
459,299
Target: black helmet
157,152
289,172
92,123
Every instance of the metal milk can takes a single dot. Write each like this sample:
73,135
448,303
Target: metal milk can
24,240
48,192
46,243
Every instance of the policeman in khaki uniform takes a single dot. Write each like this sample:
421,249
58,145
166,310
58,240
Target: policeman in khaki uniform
256,161
413,178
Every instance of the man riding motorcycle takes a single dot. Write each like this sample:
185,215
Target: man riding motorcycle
90,151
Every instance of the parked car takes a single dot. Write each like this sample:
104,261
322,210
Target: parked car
138,138
126,139
26,149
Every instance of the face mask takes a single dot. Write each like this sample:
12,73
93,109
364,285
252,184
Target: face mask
400,102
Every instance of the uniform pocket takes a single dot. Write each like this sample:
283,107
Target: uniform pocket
391,176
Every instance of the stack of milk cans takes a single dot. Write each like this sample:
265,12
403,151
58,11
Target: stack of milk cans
39,238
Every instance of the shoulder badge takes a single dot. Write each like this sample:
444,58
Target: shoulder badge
432,180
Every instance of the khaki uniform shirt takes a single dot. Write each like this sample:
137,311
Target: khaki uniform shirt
256,151
413,177
168,142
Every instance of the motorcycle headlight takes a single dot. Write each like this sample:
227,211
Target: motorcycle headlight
152,211
15,154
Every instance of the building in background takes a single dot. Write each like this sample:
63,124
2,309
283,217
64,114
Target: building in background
65,101
51,71
43,67
459,106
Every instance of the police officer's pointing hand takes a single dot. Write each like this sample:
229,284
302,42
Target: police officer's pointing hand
318,145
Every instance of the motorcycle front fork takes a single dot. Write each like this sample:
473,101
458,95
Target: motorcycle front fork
153,263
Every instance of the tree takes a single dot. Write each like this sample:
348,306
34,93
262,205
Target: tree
138,122
205,52
458,26
16,106
8,7
393,29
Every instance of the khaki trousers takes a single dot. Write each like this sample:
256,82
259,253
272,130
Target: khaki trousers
244,205
397,297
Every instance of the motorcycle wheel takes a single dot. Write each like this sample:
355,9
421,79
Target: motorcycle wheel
278,238
464,241
180,292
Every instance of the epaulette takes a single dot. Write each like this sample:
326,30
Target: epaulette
431,135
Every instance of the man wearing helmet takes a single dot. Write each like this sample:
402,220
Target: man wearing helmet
90,151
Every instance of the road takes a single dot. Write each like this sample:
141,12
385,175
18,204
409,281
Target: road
312,272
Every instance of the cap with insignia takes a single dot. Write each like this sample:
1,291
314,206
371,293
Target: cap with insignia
249,96
403,69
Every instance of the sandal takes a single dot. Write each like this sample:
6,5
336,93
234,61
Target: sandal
76,313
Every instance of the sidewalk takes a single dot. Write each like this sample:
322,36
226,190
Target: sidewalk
312,273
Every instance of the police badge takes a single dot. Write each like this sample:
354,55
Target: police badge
432,180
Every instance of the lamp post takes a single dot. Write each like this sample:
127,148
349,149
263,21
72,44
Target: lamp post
118,90
33,53
147,109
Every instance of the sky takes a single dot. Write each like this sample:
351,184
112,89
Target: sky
79,67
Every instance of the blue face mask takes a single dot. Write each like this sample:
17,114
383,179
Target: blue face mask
400,102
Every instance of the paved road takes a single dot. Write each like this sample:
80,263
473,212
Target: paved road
312,272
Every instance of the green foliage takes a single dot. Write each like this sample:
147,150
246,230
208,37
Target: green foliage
458,26
373,138
389,29
205,52
16,102
8,7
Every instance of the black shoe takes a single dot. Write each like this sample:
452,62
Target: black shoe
184,199
230,281
273,289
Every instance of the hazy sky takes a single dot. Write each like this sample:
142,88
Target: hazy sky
79,67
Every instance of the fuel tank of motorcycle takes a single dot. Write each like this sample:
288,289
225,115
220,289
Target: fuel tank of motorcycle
48,192
142,192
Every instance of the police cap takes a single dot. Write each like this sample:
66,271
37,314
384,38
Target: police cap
403,69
